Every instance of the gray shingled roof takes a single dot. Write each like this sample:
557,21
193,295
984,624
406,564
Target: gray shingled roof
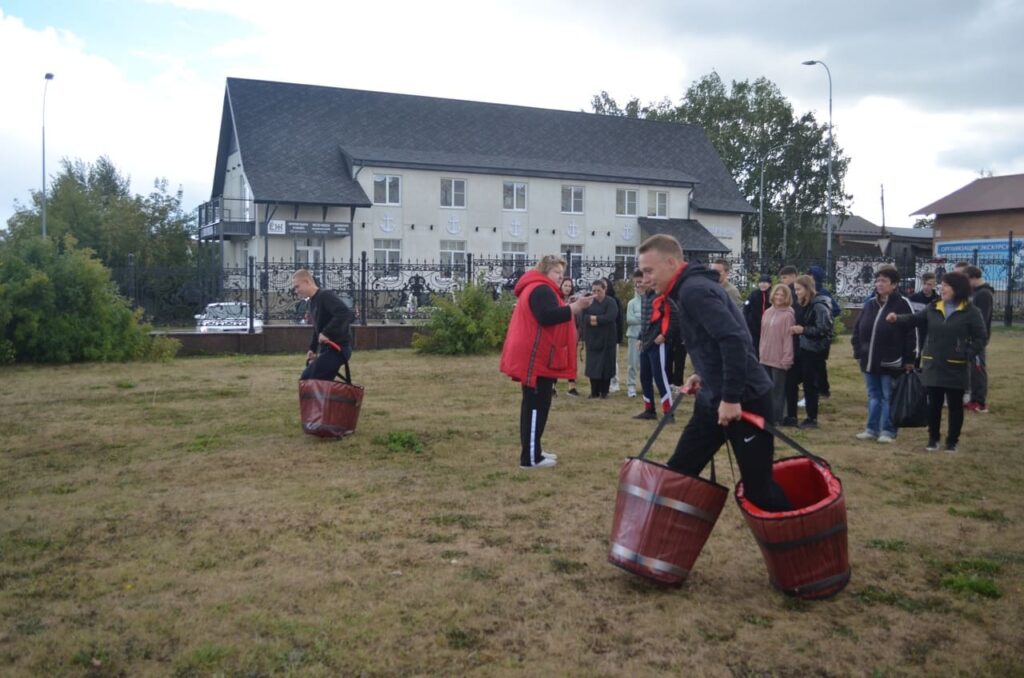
294,140
988,194
690,233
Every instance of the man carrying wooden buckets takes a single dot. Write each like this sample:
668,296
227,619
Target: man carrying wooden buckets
728,378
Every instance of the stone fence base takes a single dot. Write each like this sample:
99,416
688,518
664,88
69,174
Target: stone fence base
289,339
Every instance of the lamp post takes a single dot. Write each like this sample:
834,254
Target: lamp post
46,81
828,185
760,211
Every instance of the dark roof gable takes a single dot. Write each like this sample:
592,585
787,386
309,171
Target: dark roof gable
296,142
987,194
690,233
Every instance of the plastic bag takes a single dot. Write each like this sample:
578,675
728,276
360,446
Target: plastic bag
909,407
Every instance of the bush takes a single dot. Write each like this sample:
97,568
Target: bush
474,322
58,305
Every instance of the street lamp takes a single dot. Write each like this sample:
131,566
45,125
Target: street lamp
760,211
828,186
47,78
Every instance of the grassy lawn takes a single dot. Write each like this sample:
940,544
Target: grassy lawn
172,519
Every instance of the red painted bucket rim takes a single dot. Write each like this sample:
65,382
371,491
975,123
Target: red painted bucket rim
835,492
678,473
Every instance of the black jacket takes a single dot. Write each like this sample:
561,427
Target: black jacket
757,303
984,299
717,339
331,317
816,319
951,342
878,345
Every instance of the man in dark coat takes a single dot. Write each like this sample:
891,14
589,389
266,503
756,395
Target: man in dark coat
599,335
757,303
728,378
983,298
818,273
332,321
920,300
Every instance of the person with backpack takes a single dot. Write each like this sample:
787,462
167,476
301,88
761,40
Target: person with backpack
983,298
818,273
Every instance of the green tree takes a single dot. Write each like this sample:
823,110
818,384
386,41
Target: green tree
750,122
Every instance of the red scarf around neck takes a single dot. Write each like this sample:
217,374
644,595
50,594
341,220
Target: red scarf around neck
659,307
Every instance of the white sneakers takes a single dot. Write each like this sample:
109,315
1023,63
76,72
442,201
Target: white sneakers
631,393
886,438
548,455
545,462
865,435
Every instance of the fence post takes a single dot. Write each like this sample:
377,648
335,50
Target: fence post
362,285
131,279
469,268
1008,316
252,295
974,257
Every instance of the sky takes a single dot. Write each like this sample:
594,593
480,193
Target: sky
925,93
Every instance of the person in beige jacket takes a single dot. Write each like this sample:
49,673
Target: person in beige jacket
776,348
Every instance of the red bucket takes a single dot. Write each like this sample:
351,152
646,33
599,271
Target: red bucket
662,519
329,409
805,549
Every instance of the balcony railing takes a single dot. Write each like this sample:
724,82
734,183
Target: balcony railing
226,209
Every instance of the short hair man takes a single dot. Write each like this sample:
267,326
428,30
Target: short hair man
332,324
634,327
787,276
982,296
723,267
728,377
959,266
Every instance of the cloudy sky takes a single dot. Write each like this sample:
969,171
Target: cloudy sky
925,92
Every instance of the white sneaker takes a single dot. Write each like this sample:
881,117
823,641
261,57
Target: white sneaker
886,438
865,435
631,393
802,403
548,455
543,463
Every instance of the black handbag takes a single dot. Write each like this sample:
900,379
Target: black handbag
909,405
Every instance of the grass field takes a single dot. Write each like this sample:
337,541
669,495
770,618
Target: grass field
172,519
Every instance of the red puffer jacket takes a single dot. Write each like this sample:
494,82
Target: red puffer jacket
533,350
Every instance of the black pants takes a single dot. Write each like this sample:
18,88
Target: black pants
599,387
753,447
793,377
811,365
326,364
824,388
676,363
533,416
955,400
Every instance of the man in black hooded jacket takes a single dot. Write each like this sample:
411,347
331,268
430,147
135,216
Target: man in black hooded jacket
332,321
728,378
981,296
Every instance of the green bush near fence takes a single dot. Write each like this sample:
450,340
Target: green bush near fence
472,322
58,304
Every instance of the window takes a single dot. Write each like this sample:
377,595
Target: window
387,255
625,202
572,199
657,204
308,251
453,192
513,196
574,257
625,262
453,257
513,259
387,189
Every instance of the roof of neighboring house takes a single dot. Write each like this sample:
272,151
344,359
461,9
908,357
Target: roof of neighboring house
299,142
988,194
690,233
854,226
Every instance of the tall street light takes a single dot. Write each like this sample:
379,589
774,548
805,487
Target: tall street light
828,185
48,78
760,211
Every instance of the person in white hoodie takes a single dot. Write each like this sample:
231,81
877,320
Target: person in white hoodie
634,325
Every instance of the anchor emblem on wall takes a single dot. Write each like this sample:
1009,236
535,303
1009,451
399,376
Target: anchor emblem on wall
572,230
387,224
515,228
453,225
627,232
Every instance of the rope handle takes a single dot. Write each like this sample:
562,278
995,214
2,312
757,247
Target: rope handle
757,421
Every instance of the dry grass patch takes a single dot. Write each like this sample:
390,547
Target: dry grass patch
172,519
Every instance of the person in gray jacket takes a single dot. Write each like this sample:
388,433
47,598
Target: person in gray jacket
634,326
956,330
814,327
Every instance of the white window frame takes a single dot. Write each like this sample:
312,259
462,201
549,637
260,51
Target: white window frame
653,204
625,261
391,249
574,262
312,248
513,258
389,199
516,186
453,255
625,193
575,196
453,192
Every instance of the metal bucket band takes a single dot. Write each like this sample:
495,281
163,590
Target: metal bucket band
784,545
320,397
816,586
667,502
650,563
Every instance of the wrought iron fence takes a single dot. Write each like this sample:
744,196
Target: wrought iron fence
404,292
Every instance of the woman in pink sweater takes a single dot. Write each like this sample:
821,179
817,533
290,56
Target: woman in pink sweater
777,345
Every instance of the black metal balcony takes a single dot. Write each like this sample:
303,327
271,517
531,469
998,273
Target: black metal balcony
226,216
